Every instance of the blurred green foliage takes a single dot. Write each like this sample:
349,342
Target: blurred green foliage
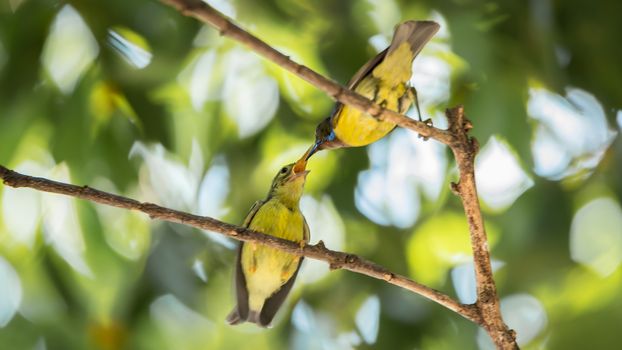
133,98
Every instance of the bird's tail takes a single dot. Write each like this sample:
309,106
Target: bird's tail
234,318
253,316
416,33
408,40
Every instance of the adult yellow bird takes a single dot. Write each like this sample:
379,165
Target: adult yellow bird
264,276
384,79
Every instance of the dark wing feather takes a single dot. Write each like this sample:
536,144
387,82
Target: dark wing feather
358,76
240,312
251,213
366,69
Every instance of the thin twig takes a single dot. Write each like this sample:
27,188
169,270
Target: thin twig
205,13
335,259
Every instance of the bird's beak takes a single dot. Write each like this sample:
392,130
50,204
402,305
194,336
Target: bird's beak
299,168
301,164
311,150
296,175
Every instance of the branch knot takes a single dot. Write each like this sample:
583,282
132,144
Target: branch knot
320,245
455,188
351,258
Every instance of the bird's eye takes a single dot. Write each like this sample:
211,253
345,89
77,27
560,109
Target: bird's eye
284,171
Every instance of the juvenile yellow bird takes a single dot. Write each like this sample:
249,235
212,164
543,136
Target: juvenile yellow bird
384,79
264,276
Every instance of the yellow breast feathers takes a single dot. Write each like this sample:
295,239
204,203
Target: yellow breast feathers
273,218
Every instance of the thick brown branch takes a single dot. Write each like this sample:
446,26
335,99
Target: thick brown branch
464,149
205,13
336,260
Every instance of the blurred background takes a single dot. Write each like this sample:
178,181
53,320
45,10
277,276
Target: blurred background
133,98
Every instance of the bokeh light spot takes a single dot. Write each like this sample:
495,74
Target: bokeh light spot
325,225
10,292
500,178
251,97
61,225
596,236
131,46
571,133
368,319
403,169
69,49
439,244
522,313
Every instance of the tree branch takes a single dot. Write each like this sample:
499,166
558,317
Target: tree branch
335,259
465,149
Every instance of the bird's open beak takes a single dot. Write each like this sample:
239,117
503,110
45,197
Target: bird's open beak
300,165
300,168
296,175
